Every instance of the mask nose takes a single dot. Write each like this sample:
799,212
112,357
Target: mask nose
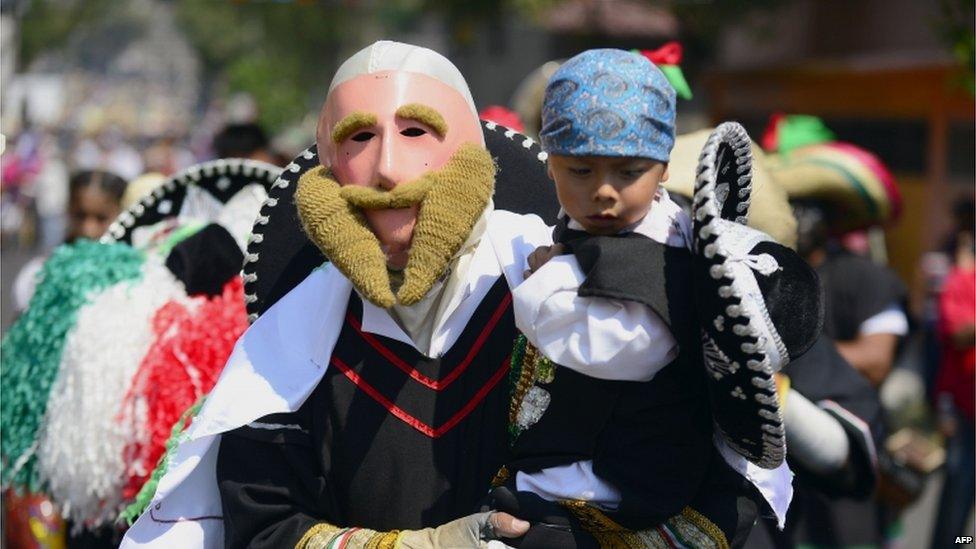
390,171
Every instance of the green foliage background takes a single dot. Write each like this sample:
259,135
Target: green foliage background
283,52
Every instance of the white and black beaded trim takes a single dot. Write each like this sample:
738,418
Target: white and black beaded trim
734,135
526,141
734,317
290,176
261,172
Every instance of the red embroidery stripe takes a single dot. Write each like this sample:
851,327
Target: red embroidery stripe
435,384
409,419
667,538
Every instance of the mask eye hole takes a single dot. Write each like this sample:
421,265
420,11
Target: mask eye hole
413,132
363,136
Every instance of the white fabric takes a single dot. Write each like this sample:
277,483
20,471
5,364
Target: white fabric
237,215
892,320
419,322
597,337
775,485
575,481
814,437
25,283
275,366
386,55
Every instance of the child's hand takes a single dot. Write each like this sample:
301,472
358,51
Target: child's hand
541,255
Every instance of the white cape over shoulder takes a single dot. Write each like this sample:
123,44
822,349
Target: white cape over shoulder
274,367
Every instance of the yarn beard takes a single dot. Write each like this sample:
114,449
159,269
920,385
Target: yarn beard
451,200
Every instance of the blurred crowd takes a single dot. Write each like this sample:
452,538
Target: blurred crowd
40,169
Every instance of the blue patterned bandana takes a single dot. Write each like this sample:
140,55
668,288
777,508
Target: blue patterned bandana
608,103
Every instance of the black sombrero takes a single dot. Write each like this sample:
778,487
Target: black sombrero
222,197
521,186
222,179
760,304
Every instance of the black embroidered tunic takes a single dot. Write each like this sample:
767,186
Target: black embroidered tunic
389,439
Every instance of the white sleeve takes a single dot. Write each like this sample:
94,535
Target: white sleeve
815,437
513,237
598,337
892,320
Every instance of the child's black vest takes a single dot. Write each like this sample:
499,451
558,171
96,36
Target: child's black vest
651,440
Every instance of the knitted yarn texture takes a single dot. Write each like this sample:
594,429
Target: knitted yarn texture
455,197
341,232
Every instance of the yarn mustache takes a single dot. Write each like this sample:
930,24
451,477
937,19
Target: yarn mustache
451,200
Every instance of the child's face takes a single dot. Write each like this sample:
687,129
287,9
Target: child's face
606,194
90,212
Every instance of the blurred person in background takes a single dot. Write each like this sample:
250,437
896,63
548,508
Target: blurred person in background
866,316
118,156
93,202
94,199
955,385
20,165
865,302
246,140
833,427
167,156
933,270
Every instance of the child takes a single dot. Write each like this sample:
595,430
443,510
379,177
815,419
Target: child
612,408
94,201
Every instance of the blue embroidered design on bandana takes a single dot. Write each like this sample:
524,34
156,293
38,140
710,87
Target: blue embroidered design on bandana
608,102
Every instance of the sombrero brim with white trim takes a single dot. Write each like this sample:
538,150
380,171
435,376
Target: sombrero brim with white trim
280,255
851,178
759,304
221,179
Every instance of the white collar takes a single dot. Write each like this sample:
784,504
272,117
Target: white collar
481,275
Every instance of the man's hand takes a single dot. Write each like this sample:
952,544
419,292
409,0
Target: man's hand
541,255
470,531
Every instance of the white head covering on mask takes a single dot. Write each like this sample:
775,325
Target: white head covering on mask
386,55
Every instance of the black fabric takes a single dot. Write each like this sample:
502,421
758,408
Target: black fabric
206,260
728,500
108,536
650,440
823,374
856,289
633,267
834,509
795,301
359,464
521,186
271,492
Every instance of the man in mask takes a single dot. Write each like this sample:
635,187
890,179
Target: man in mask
370,394
369,407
